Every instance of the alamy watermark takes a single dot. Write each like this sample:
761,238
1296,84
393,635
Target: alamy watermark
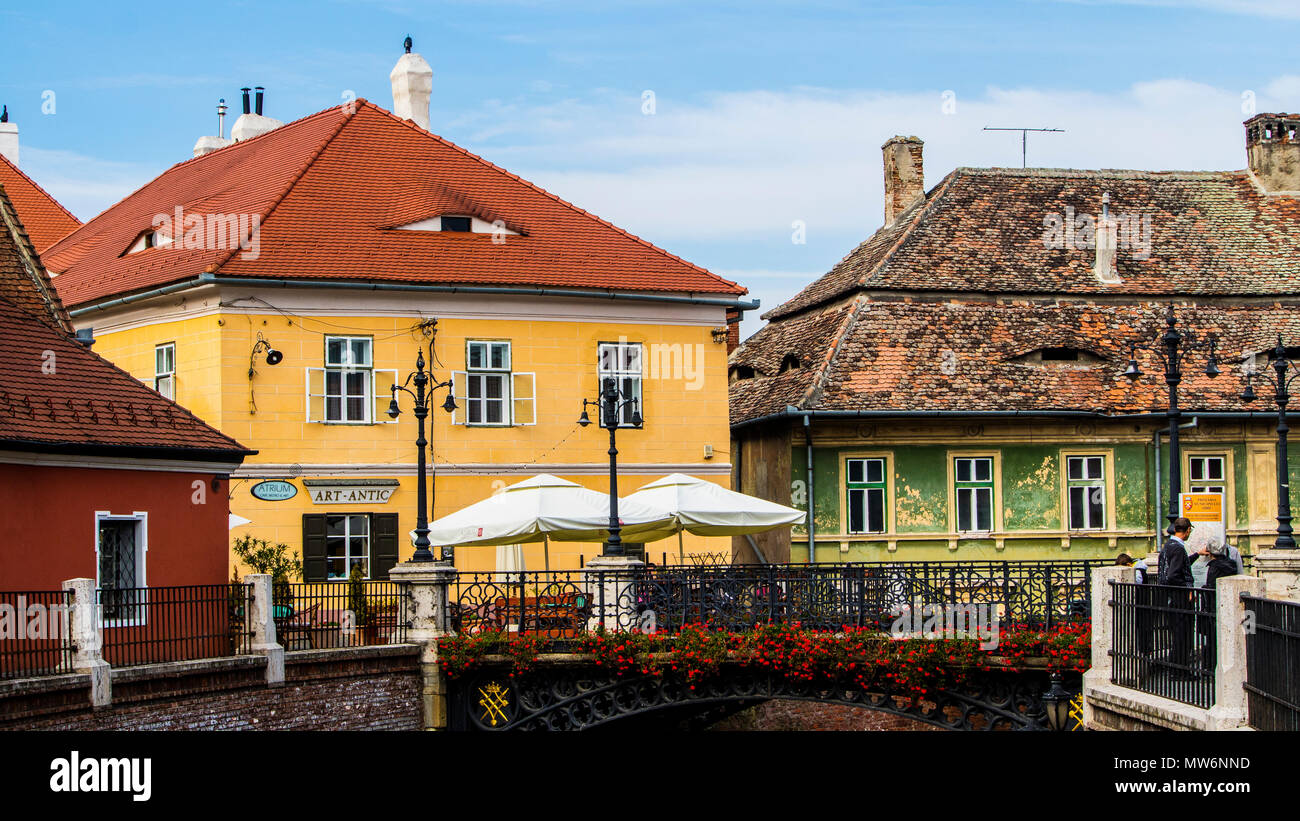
947,621
22,621
209,232
1078,230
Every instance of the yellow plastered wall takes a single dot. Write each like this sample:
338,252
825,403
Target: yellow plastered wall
212,359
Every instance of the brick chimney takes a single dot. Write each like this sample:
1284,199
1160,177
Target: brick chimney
904,175
1273,150
8,137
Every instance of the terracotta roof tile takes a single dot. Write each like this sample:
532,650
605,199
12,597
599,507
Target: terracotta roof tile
46,220
331,187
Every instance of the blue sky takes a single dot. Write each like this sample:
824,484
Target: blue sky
765,114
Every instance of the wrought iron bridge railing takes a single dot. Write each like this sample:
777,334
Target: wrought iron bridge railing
1164,641
561,604
150,625
1273,664
320,615
34,633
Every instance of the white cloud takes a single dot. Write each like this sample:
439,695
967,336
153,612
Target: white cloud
741,165
82,184
1285,9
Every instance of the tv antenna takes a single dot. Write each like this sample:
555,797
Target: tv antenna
1024,147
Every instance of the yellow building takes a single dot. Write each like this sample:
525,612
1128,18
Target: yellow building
332,244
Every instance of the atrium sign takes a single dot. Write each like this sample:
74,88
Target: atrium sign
274,490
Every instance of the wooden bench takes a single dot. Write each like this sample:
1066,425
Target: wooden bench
562,616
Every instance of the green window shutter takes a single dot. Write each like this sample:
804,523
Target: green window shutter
313,547
383,544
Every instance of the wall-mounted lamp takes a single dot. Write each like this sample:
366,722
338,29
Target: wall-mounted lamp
273,357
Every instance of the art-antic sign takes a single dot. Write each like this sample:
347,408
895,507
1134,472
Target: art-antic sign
350,494
274,490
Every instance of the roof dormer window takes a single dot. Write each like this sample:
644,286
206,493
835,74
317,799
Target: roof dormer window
789,363
459,224
1058,356
149,239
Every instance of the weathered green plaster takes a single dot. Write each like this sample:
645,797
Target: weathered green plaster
921,489
1031,488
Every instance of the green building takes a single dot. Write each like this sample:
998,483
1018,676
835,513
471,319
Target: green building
959,379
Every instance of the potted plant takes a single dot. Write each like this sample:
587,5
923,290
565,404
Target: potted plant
359,606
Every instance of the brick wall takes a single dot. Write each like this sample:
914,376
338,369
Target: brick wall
791,715
354,689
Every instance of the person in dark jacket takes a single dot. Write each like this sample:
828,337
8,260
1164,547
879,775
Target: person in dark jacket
1175,570
1221,564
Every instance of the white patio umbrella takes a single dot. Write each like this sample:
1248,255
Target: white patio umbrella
542,508
706,509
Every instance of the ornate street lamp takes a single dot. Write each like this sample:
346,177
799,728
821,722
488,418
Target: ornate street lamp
610,407
425,385
1284,371
1056,703
1172,346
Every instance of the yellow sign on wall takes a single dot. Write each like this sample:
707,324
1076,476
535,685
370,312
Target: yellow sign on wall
1202,507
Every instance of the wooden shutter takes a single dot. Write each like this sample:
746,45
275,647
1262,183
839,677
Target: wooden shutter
459,388
383,544
313,547
523,393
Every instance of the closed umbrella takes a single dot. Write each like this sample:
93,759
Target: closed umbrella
542,508
706,509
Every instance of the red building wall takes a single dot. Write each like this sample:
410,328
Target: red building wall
49,524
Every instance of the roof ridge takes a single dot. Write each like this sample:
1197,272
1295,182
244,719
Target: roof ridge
47,194
298,175
548,194
1134,173
54,246
58,313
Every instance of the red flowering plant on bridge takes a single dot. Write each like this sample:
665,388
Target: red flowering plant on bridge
851,656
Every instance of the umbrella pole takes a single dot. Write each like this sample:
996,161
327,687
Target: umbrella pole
546,552
681,551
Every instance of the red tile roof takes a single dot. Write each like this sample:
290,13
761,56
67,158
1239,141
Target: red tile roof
45,219
330,189
56,395
983,230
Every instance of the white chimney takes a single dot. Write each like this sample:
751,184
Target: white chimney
8,137
251,123
412,86
1103,265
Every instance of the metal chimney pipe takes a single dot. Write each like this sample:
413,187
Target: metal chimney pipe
247,108
258,107
221,118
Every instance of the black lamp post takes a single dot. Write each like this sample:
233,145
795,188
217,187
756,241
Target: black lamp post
1172,347
425,385
1284,370
610,407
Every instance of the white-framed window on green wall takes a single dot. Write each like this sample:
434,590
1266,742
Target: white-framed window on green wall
865,480
974,493
1206,474
1085,480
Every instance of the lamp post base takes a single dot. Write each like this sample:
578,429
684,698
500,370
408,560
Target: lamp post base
1280,570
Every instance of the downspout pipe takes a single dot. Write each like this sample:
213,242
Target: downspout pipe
812,504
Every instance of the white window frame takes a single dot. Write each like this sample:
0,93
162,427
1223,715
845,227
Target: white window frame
378,387
141,565
1092,486
975,486
518,401
1205,487
621,371
164,376
347,544
866,489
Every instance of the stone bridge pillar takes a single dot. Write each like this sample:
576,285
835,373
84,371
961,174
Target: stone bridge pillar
1280,570
1229,710
83,627
261,622
1103,625
426,590
612,587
